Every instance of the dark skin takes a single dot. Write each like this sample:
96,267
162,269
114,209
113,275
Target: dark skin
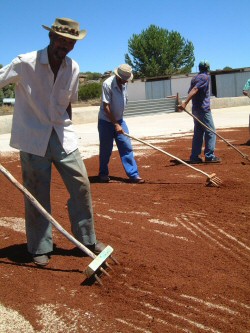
58,48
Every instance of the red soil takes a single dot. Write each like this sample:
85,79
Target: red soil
183,249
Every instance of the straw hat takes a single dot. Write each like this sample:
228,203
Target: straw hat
67,28
124,72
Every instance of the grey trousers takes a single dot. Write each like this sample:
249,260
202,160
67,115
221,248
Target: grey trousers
36,172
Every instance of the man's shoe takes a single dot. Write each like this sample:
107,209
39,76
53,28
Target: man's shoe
213,160
104,179
96,248
40,259
136,180
196,161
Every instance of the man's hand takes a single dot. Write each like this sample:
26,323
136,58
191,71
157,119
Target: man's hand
119,129
182,106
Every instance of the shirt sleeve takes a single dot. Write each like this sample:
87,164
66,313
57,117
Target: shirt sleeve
201,82
75,83
10,73
247,85
106,93
74,96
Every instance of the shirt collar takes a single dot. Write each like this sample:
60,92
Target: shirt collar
116,84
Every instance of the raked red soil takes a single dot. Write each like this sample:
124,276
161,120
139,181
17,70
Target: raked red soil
183,248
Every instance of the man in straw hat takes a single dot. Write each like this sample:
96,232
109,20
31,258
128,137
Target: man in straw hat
46,85
112,126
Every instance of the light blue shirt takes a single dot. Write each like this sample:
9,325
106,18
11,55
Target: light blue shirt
247,85
113,95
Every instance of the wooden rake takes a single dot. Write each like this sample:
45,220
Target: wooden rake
97,263
212,180
226,141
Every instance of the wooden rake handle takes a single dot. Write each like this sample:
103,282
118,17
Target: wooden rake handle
168,154
40,208
211,130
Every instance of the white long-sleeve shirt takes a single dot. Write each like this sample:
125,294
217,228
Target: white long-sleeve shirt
41,103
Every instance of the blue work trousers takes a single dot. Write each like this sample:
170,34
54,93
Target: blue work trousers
201,133
107,135
36,171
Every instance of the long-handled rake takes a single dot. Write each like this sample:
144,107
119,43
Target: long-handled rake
226,141
97,263
212,180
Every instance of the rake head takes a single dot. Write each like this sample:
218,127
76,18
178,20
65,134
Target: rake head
246,157
213,180
98,263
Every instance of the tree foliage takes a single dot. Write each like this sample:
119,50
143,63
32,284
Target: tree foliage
92,75
159,52
89,91
7,91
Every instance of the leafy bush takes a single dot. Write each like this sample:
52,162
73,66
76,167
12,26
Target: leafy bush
93,76
90,91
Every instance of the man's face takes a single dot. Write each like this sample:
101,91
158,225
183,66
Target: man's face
60,46
121,81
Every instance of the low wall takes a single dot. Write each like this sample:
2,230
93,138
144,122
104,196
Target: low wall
229,102
89,114
225,102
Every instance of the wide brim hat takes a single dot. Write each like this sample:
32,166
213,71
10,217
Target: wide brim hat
124,72
67,28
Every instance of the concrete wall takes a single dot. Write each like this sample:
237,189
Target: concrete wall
136,91
140,90
231,85
158,89
229,102
90,114
181,85
227,85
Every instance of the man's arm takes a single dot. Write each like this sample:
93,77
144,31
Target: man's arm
191,94
69,110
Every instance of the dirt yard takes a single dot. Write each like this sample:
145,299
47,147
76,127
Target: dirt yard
183,248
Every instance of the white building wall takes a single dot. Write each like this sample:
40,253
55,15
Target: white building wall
231,85
136,90
228,85
181,85
158,89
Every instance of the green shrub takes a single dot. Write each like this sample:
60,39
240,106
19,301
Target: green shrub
89,91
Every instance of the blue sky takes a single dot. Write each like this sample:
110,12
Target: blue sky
218,29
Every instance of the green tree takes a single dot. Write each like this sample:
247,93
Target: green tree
93,76
7,91
159,52
89,91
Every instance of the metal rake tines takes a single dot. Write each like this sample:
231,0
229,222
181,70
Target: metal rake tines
219,136
213,180
246,157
